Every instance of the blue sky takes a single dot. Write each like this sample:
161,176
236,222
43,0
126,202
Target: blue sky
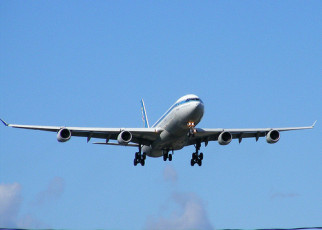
81,63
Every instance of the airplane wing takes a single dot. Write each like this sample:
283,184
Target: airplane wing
139,135
205,135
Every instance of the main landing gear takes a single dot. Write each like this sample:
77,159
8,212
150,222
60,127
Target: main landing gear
167,155
139,157
196,157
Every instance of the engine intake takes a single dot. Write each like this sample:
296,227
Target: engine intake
225,138
124,137
63,135
273,136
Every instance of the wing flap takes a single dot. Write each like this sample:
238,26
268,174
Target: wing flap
104,143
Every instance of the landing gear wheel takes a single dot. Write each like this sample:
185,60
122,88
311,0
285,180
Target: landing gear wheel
139,158
199,162
197,157
170,157
164,157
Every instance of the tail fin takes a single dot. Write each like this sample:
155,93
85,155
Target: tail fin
144,116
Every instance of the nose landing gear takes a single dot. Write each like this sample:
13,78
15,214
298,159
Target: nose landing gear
192,129
196,157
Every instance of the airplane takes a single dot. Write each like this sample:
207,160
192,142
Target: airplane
174,130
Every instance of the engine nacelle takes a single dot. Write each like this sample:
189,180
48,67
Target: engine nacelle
225,138
124,137
63,135
272,136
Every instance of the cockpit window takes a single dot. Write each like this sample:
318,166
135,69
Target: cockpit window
193,99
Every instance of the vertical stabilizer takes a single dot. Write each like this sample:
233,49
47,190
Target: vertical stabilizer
144,116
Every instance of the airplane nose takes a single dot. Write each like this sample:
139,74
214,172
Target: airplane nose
199,107
195,113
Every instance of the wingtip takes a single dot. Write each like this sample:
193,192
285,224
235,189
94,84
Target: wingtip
5,123
314,123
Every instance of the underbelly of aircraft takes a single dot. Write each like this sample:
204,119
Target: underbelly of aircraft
170,143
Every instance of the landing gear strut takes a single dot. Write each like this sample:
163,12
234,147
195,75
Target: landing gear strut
139,157
167,155
196,157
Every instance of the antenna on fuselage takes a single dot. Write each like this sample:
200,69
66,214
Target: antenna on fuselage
144,116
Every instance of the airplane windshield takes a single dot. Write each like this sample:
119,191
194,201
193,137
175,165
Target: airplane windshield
194,99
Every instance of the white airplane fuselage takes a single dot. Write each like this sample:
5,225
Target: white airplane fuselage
188,109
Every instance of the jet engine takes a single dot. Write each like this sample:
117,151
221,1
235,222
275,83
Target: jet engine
124,137
63,135
225,138
272,136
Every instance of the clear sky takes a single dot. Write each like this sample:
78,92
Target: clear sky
255,64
